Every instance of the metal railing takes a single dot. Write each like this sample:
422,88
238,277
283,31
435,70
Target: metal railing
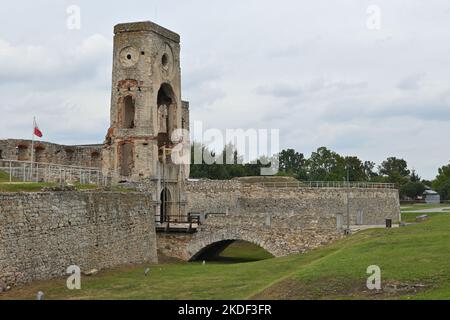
26,171
188,223
329,184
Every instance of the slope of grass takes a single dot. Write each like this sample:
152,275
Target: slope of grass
24,186
17,186
424,206
4,177
411,216
413,255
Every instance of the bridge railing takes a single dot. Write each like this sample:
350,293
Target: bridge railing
329,184
27,171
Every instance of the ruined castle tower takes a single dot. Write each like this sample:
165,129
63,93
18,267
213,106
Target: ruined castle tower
146,108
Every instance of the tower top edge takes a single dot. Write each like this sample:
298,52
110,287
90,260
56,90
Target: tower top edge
146,26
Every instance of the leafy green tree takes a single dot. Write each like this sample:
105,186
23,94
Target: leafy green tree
292,163
414,177
355,169
229,164
412,189
369,171
442,182
396,170
326,165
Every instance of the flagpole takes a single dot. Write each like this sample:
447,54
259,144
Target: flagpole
32,149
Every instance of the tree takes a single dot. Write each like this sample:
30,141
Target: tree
412,189
229,164
369,172
293,164
414,176
442,182
355,168
326,165
396,170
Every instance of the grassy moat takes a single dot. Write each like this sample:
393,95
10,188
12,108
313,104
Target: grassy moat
415,264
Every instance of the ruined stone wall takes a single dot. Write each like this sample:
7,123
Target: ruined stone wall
212,196
45,152
315,207
42,234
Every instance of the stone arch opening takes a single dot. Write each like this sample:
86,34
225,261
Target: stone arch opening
165,206
126,159
166,124
39,153
95,159
167,105
22,152
232,251
128,113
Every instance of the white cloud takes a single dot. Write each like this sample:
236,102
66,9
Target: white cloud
311,69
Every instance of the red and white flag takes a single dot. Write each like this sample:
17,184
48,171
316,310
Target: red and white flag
36,130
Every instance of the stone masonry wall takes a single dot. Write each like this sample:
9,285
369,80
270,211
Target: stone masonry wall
42,234
281,220
45,152
315,206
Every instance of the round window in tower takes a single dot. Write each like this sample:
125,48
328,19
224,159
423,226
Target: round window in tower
128,57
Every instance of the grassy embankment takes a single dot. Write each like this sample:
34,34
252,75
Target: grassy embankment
416,257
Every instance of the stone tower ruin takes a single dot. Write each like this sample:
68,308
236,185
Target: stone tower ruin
146,108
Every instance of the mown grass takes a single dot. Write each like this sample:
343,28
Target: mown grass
4,177
417,254
24,186
411,216
424,206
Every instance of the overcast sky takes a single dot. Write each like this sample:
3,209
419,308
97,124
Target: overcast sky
312,69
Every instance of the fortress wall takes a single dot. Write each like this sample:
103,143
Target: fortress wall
42,234
281,220
294,207
45,152
212,196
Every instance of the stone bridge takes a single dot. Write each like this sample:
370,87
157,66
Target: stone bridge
283,221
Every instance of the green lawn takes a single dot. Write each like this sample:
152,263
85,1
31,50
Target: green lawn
413,255
424,206
4,177
37,186
411,216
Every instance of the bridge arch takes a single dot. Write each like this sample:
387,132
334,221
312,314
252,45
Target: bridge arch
204,242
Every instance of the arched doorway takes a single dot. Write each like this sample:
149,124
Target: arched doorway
166,109
165,207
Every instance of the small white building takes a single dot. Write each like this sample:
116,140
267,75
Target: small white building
432,196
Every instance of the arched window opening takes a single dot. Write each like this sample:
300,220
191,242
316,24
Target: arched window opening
95,159
22,153
166,120
70,152
40,154
165,206
166,109
128,113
